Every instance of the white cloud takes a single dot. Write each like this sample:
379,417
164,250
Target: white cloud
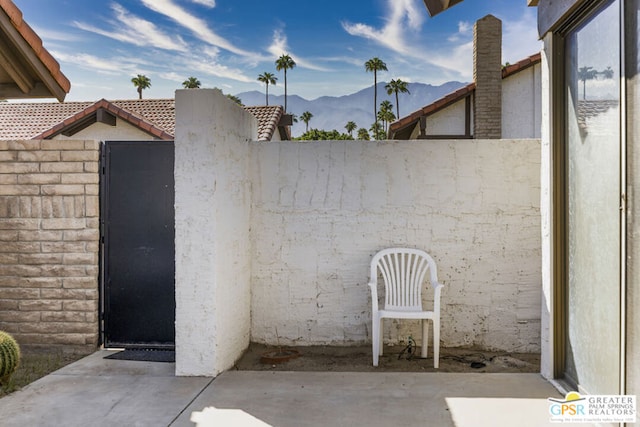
53,35
207,3
196,25
279,47
218,70
106,66
458,60
464,27
136,31
402,14
171,75
520,37
464,31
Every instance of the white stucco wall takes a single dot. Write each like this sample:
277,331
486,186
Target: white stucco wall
122,131
521,104
448,121
321,210
521,109
212,231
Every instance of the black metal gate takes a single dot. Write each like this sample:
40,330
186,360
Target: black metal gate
138,252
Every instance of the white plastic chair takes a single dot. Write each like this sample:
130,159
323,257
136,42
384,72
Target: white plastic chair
403,271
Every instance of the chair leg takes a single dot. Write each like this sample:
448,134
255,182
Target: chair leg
381,336
425,338
375,338
436,343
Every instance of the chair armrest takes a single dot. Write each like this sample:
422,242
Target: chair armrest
374,296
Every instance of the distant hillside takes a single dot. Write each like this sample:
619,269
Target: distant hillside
333,112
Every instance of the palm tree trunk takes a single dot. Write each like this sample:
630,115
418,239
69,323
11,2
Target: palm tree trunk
139,92
267,94
285,91
375,100
397,107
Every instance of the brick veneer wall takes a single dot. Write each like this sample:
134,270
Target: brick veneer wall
49,234
487,73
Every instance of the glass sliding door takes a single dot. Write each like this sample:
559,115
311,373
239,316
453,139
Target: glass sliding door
592,201
632,61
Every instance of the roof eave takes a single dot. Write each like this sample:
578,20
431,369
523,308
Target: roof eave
88,116
35,72
436,6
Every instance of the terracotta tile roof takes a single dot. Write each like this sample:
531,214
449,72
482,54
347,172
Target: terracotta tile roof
523,64
35,43
268,118
160,112
412,119
130,115
44,120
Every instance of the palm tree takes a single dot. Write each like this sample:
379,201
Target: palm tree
377,131
584,74
235,99
363,134
350,127
386,114
397,86
141,82
375,64
191,83
305,117
285,62
267,78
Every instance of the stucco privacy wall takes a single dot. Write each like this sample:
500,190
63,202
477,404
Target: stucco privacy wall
322,209
212,205
49,210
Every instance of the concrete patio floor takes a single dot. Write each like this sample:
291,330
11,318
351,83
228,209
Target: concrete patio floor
98,392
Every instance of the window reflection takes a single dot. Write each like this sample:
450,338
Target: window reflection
592,199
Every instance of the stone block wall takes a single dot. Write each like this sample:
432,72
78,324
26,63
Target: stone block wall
49,240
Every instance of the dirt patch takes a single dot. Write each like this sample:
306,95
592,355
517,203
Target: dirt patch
395,359
36,363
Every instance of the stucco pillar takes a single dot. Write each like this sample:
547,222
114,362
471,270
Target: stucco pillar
212,205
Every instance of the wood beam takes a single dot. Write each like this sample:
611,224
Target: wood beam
467,116
106,117
423,127
12,91
14,67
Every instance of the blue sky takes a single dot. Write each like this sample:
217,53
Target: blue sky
228,43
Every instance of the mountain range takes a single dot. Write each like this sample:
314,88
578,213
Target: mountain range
333,112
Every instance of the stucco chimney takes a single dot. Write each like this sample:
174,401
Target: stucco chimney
487,74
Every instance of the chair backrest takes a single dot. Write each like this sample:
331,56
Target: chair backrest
403,271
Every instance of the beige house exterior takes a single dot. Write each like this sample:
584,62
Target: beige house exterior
512,103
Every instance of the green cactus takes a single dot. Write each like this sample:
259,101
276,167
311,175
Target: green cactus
9,356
